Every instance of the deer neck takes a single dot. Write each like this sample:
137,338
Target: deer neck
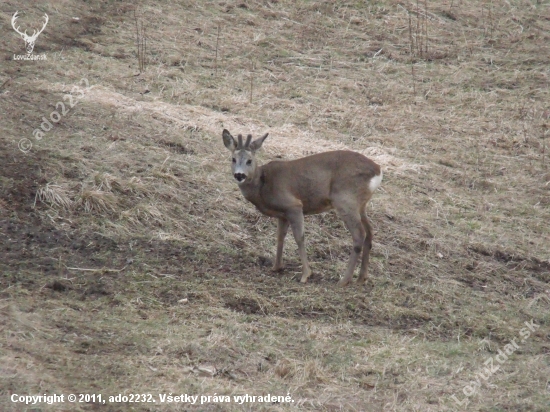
251,188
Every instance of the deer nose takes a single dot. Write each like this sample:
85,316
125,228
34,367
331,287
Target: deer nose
240,176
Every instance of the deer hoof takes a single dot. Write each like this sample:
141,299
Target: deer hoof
305,276
343,283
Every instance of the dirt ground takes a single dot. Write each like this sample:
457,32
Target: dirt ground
130,263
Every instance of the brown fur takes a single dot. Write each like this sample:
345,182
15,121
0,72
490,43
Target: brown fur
288,190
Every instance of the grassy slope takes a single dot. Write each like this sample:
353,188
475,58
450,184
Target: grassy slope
136,210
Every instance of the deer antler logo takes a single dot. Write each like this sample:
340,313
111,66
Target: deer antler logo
29,40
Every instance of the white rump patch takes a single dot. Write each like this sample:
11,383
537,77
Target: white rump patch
375,182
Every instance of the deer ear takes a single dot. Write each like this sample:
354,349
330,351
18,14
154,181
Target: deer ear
256,144
228,140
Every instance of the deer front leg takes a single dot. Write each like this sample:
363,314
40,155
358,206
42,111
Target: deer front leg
282,229
296,219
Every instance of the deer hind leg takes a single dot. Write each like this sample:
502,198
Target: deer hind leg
352,220
367,246
282,229
296,219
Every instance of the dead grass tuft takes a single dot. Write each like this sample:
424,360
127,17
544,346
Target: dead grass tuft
137,187
97,201
53,195
284,368
314,373
143,214
107,183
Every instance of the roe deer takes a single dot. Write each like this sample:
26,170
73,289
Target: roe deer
288,190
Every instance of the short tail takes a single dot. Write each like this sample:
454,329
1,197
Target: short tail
375,181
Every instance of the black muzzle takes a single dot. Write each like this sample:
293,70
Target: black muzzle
240,176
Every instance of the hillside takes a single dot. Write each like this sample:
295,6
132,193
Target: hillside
130,263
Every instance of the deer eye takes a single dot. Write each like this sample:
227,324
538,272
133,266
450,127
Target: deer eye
234,160
249,162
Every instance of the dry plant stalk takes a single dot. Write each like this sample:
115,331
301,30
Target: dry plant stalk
141,41
418,38
490,17
413,78
545,131
412,50
411,41
251,80
5,83
419,42
483,20
477,154
217,44
426,28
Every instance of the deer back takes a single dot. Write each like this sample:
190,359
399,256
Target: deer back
314,181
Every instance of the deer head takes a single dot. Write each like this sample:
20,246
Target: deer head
244,161
29,40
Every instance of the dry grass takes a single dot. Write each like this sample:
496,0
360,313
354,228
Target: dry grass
132,264
53,195
97,201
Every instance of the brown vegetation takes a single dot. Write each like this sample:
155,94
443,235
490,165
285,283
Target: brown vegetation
130,263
